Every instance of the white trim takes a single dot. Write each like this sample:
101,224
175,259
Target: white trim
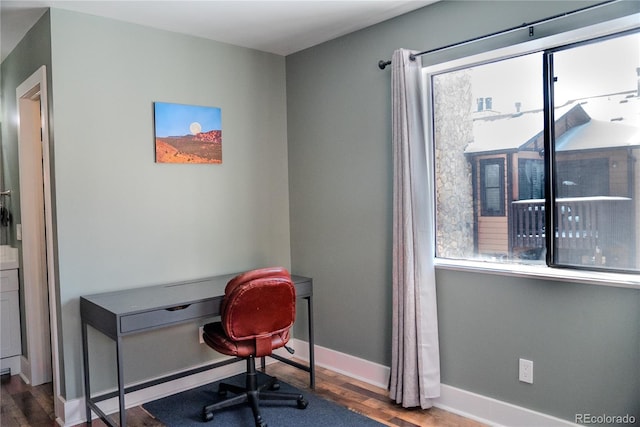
351,366
49,241
30,100
42,334
59,404
25,367
540,271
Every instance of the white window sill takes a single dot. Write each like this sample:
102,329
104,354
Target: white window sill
542,272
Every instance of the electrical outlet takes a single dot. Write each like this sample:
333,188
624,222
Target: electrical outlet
200,333
526,371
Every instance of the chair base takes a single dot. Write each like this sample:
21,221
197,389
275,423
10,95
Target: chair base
252,394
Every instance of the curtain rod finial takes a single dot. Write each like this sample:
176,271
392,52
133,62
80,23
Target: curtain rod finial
383,64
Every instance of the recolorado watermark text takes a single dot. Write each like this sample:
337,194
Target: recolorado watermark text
604,419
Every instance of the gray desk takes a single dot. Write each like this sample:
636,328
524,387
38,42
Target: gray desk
121,313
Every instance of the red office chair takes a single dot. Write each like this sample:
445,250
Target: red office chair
257,313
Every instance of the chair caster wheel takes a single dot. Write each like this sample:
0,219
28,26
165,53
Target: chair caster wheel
207,416
302,404
275,387
261,423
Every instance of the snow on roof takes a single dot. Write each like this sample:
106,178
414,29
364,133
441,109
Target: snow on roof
615,122
598,134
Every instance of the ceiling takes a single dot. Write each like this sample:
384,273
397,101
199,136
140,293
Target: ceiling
276,26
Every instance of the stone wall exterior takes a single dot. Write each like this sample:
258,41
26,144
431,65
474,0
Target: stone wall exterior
453,131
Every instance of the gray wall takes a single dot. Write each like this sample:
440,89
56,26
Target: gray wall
33,51
584,340
124,220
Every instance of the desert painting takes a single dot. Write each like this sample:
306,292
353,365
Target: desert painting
187,133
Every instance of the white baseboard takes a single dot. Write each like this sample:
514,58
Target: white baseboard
59,405
351,366
470,405
491,411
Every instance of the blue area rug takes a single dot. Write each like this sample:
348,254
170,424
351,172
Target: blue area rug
185,410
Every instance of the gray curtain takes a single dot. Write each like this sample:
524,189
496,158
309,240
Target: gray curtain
415,364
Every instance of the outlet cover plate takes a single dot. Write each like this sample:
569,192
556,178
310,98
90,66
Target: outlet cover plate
525,371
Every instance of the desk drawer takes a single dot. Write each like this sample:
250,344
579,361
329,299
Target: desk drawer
163,317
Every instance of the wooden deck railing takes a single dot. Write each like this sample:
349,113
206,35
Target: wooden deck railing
528,224
581,222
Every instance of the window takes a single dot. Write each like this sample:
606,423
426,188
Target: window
539,170
583,177
492,182
530,179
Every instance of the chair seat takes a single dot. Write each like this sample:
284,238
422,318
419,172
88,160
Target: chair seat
216,338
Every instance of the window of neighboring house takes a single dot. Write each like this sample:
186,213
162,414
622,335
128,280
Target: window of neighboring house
510,188
583,177
530,179
492,183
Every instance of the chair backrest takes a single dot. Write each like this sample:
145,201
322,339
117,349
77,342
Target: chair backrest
258,304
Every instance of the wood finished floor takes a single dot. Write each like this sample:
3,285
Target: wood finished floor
25,406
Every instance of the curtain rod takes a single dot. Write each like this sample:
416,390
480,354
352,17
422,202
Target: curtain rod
382,64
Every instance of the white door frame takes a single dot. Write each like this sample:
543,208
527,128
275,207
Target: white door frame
41,364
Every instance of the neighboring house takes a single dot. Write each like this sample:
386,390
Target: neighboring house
597,149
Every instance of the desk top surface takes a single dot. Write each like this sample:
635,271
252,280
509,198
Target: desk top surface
166,295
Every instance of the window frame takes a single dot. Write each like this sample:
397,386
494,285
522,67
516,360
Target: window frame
551,179
561,40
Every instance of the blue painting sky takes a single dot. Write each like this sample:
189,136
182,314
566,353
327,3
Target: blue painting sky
178,119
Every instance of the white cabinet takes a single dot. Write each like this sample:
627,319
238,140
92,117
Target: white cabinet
10,342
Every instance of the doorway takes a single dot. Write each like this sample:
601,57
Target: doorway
39,364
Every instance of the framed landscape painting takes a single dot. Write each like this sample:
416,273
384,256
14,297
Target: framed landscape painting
187,133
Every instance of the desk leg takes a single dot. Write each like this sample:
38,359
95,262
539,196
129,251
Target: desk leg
312,363
85,361
123,413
